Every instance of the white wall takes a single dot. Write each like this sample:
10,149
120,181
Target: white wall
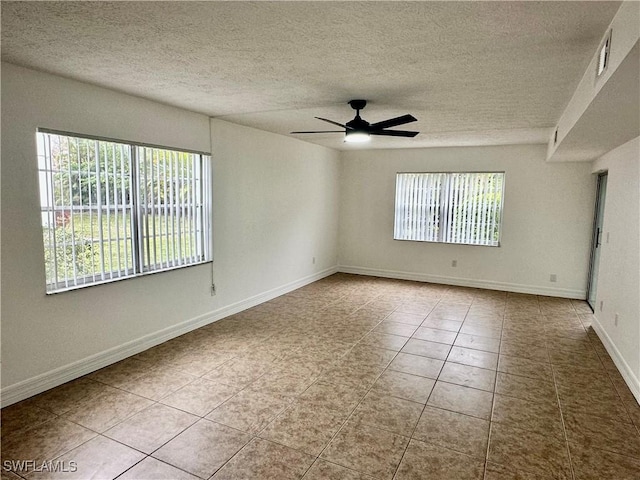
619,271
275,207
277,201
547,220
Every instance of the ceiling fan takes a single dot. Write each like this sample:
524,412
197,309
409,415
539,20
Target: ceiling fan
359,130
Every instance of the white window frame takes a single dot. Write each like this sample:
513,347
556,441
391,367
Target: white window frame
425,207
133,210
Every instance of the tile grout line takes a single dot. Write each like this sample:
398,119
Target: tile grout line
425,402
564,427
435,380
363,397
157,402
256,435
317,457
371,387
493,398
156,459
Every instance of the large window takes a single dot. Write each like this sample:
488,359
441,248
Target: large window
114,210
461,208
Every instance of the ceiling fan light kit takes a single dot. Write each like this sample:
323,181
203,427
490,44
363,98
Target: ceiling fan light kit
359,130
354,136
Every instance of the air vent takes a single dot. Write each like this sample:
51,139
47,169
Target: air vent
603,55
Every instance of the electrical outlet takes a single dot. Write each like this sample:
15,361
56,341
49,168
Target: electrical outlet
615,320
213,289
454,263
553,278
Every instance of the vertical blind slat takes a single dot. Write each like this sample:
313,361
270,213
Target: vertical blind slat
405,206
485,211
409,216
137,222
157,245
91,195
474,207
80,196
179,204
124,212
398,212
420,198
71,215
187,208
172,210
116,218
107,183
482,227
151,210
52,216
430,191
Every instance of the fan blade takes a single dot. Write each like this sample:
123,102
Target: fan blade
322,131
331,121
393,122
395,133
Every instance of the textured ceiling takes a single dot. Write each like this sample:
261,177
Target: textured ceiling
473,73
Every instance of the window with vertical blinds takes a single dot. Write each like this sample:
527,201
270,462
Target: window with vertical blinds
464,208
112,210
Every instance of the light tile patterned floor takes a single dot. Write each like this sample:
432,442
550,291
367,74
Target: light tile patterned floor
349,378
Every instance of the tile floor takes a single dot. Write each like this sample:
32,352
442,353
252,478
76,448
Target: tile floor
348,378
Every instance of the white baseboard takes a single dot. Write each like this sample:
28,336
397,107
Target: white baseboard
467,282
631,380
40,383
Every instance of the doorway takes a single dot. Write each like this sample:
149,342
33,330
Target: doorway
596,243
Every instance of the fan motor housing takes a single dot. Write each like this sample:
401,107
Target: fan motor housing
358,123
